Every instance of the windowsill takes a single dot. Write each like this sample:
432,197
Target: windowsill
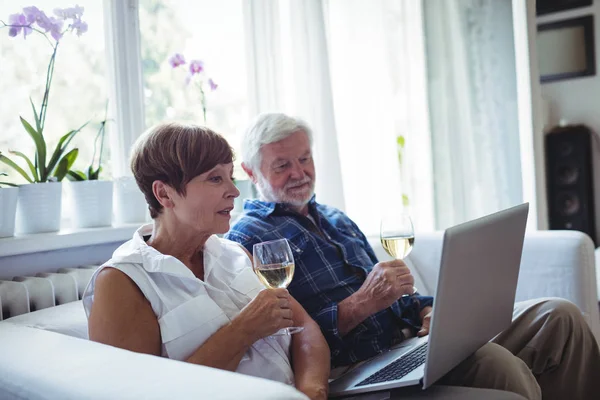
65,239
69,238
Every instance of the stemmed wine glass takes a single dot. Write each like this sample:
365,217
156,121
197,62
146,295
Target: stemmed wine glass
274,266
397,236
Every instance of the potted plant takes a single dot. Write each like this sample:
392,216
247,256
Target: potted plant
39,201
8,207
91,197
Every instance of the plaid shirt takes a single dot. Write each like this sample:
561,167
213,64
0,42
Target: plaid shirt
332,260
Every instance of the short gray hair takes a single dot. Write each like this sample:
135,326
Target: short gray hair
269,128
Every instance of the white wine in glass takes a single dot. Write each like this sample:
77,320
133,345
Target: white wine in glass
274,266
397,236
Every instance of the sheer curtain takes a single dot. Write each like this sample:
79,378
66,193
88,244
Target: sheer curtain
473,106
377,64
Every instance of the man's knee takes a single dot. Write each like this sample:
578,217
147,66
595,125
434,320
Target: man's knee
562,314
495,360
498,368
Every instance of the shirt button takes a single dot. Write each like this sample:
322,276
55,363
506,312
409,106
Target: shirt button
297,250
353,234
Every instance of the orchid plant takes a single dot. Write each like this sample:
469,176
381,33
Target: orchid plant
93,174
30,20
196,75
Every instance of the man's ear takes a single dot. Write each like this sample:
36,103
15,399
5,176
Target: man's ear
249,172
162,193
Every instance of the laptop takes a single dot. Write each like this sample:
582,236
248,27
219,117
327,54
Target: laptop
473,303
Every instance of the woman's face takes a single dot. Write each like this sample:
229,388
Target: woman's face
208,201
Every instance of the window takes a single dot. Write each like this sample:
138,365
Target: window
79,88
208,30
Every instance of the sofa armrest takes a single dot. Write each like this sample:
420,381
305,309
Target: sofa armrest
38,364
561,264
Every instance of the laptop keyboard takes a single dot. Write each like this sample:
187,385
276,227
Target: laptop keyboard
399,368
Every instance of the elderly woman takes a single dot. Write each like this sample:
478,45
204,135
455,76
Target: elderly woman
177,290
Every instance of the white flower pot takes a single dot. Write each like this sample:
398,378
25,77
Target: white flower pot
8,210
38,207
91,203
130,204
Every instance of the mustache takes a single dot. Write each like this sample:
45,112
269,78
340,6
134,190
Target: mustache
298,182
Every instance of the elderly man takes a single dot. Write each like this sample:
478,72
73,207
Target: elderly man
548,351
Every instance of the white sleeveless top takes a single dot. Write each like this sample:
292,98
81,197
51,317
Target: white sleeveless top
189,310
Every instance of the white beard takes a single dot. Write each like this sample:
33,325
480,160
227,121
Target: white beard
280,196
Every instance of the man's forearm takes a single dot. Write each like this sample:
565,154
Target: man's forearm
352,311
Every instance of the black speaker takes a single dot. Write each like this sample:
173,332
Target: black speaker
569,179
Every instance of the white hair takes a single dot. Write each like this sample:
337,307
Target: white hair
269,128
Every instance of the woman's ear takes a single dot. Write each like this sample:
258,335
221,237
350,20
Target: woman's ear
163,194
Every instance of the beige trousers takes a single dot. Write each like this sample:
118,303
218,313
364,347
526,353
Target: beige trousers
548,352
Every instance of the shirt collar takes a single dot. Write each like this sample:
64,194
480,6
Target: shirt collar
266,208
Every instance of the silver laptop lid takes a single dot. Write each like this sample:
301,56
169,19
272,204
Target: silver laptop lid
477,282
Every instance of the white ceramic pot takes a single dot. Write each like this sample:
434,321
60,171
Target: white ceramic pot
38,207
8,210
91,203
130,204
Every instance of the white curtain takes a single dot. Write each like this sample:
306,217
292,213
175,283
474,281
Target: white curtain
289,72
377,65
473,106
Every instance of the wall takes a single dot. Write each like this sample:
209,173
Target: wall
577,100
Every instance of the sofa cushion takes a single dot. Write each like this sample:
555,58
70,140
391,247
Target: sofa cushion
68,319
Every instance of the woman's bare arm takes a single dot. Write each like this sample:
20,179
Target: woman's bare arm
310,355
122,317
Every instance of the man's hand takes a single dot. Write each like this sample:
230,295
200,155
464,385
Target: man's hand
425,321
385,284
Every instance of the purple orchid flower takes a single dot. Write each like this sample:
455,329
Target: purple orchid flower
80,27
196,67
176,60
19,22
213,86
33,14
74,13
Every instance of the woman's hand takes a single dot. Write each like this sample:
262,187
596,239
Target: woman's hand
267,313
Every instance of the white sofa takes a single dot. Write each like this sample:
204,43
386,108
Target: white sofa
46,354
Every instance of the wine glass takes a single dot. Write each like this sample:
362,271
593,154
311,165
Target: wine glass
397,236
274,266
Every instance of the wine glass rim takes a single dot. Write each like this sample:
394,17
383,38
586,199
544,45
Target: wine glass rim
271,241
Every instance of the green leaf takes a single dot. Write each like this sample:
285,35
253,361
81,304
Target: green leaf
96,174
40,145
62,146
9,184
76,176
37,117
14,166
29,163
400,141
65,164
405,200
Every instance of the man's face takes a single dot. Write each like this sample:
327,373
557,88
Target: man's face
287,171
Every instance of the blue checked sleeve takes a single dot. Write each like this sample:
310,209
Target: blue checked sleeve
327,319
